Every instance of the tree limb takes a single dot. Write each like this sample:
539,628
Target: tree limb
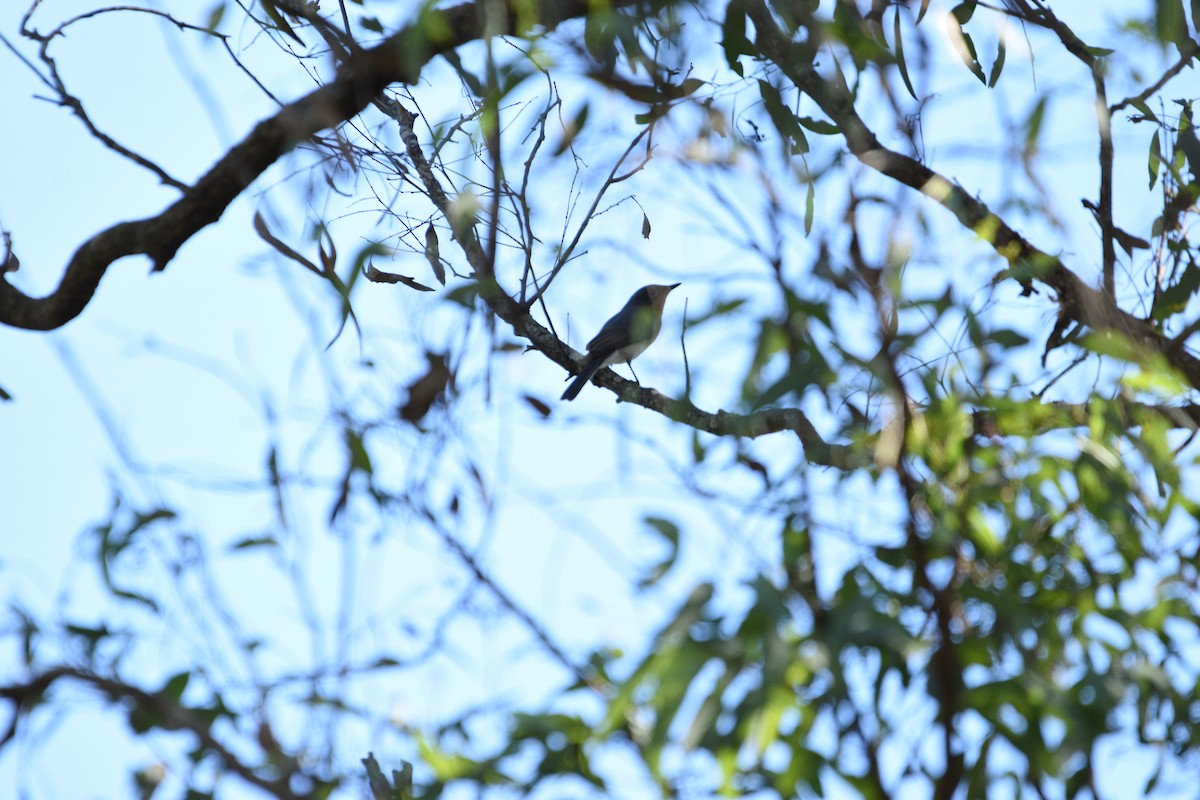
398,59
1078,300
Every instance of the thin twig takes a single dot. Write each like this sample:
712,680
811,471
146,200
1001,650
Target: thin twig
565,256
1107,235
1188,52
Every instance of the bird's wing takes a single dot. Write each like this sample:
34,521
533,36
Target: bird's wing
619,331
613,336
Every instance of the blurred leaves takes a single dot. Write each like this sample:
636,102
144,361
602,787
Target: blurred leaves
427,389
432,254
963,44
669,532
378,276
783,118
327,253
400,787
118,536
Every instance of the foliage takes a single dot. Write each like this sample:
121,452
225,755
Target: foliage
957,403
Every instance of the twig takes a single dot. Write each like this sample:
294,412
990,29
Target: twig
1076,298
565,256
170,716
1188,52
357,82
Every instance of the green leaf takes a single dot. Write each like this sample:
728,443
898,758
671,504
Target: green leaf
174,688
1176,297
1109,343
360,459
264,232
733,34
280,21
469,78
215,15
447,767
254,541
464,295
142,719
963,11
1154,160
900,61
510,76
1170,24
808,368
784,120
997,65
1033,125
719,310
820,126
700,731
1144,109
669,531
810,202
417,39
1009,338
599,36
802,776
972,61
572,129
857,36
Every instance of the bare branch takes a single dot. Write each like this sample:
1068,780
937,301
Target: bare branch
65,98
171,715
1188,52
565,255
397,59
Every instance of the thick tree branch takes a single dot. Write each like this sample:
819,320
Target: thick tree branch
759,423
863,143
1078,300
398,59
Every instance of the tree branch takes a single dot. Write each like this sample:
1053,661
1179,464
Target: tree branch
1078,300
1107,235
398,59
170,716
517,316
1188,52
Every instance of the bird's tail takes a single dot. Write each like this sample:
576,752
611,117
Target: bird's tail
590,368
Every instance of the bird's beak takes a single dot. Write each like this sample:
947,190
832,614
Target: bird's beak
673,285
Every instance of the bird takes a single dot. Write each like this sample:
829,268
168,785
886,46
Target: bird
625,336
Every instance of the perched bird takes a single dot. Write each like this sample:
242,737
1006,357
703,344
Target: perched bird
625,336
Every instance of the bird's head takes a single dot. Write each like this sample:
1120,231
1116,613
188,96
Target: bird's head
658,294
